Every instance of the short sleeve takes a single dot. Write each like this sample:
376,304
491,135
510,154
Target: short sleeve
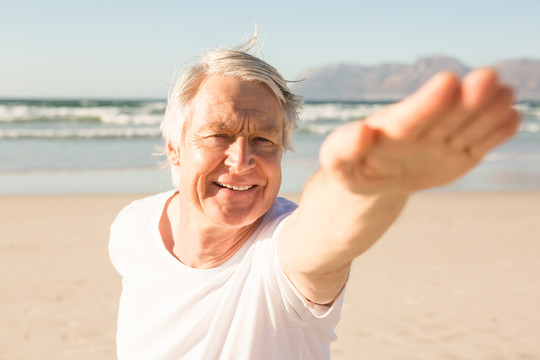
305,309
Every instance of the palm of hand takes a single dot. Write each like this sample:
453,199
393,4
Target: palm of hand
427,140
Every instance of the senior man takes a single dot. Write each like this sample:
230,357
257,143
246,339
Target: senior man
220,267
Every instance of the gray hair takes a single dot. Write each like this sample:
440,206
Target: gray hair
236,63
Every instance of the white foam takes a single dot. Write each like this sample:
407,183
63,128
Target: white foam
87,133
338,111
148,113
529,127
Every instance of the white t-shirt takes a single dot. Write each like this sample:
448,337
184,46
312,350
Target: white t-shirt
245,308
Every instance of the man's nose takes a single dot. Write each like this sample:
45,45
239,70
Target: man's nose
240,157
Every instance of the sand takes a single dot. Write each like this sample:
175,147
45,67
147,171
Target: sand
457,277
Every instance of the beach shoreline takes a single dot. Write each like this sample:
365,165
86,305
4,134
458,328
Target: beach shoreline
456,277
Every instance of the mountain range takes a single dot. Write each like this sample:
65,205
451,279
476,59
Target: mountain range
393,81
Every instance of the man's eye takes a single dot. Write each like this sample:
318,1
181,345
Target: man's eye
262,139
218,138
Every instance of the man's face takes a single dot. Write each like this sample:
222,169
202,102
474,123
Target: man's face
230,158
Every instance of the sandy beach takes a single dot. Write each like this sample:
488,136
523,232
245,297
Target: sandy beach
457,277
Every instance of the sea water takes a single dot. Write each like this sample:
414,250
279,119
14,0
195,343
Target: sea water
112,146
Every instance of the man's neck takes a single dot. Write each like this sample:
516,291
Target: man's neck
196,245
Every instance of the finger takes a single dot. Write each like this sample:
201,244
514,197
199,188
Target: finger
478,89
348,144
484,122
411,117
498,135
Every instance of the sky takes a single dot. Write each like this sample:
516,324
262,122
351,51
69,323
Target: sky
130,49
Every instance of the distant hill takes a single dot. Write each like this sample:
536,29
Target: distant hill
393,81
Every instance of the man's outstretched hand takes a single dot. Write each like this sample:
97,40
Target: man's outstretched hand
429,139
369,168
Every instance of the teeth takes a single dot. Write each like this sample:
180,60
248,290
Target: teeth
232,187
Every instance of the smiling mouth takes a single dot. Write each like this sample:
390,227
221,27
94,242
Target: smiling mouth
233,187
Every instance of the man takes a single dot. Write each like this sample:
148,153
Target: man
223,269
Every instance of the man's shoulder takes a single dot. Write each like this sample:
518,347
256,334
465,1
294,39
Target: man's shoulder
280,210
145,206
282,205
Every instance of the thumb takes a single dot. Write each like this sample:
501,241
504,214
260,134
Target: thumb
344,150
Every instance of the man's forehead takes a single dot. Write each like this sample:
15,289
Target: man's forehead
219,90
224,101
254,107
226,123
234,121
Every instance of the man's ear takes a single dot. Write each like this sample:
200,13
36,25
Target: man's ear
173,153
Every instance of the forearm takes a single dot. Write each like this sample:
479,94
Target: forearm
332,226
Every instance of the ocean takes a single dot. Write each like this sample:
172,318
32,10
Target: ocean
113,146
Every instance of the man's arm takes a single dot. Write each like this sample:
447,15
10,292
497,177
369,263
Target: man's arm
368,170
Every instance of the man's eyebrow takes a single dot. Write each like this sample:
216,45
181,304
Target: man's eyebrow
216,126
269,129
